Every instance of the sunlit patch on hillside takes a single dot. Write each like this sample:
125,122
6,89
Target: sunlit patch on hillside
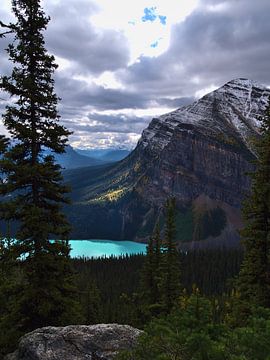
110,196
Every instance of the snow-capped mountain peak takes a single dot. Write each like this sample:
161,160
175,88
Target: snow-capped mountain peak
233,110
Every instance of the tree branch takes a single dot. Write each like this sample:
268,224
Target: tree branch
10,26
5,33
5,25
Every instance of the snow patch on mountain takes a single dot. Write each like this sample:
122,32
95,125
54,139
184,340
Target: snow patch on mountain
236,107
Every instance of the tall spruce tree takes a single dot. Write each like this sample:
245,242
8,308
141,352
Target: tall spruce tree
33,193
157,260
150,275
10,280
170,287
254,277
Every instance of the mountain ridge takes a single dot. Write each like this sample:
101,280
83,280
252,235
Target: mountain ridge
241,114
200,151
71,159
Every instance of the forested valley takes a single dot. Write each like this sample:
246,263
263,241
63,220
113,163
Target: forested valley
111,288
195,304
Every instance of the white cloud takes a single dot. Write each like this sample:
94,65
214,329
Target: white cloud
108,81
107,66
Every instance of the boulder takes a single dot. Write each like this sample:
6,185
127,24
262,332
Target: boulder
76,342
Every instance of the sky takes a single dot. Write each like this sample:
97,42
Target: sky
123,62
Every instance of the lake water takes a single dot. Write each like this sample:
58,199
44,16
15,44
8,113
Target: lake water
102,248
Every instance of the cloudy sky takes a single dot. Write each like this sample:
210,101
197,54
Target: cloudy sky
122,62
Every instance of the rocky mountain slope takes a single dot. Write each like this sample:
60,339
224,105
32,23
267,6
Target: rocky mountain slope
199,154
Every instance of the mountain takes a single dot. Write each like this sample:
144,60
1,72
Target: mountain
76,158
199,154
72,159
115,155
105,155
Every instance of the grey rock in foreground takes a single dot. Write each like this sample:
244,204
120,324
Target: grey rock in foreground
95,342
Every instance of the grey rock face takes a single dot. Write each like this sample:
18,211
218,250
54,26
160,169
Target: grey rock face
205,147
230,113
76,342
199,153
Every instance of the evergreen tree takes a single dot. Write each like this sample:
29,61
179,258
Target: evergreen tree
170,265
11,284
91,302
157,249
33,180
148,273
254,277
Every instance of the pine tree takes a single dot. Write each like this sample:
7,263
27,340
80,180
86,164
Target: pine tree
151,268
148,272
151,274
254,277
91,302
170,287
33,180
157,249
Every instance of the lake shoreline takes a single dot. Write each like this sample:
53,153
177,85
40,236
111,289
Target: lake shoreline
101,248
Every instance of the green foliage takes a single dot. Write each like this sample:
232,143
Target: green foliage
116,280
91,303
160,276
50,296
190,333
33,192
11,284
151,277
169,285
254,277
123,297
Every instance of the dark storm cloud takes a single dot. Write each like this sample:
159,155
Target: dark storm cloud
120,123
78,94
225,44
216,43
71,35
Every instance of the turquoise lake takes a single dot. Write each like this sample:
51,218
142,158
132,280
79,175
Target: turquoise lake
105,248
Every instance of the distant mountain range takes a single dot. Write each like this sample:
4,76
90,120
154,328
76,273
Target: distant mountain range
76,158
71,159
199,154
105,155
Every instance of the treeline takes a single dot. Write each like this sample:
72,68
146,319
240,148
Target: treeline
109,285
